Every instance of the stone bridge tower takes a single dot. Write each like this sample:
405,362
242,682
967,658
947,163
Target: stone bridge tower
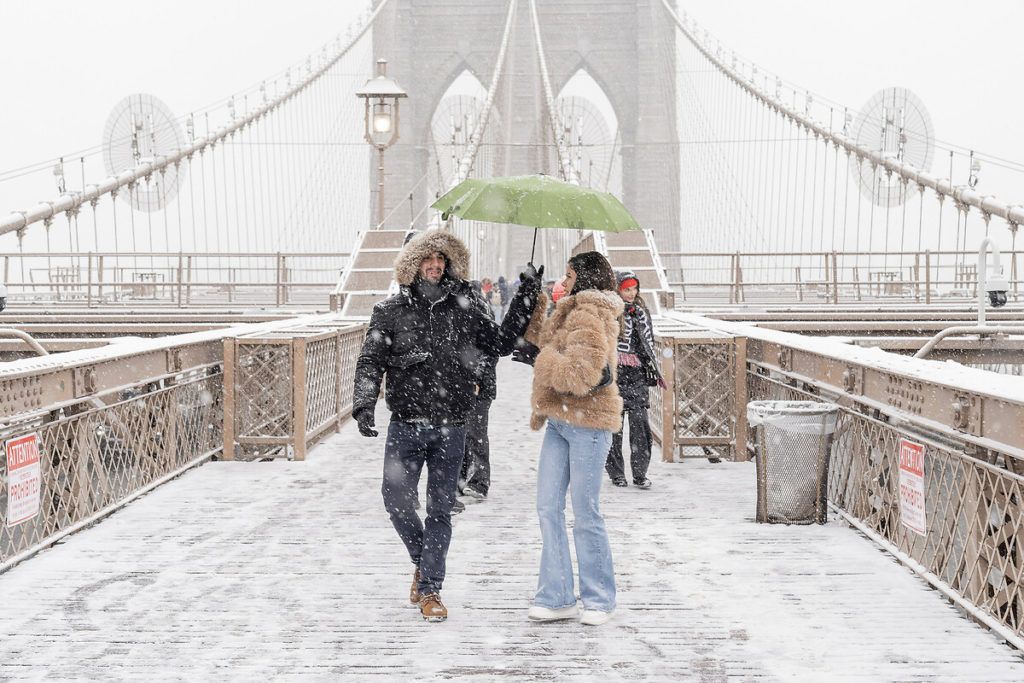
626,46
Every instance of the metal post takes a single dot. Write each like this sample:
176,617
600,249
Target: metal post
228,380
928,276
668,402
739,453
732,277
99,278
285,278
380,187
338,360
277,278
188,271
299,398
739,280
835,278
917,277
88,281
181,273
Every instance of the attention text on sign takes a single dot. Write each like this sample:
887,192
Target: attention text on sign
912,486
23,479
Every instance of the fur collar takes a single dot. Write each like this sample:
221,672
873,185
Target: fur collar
407,265
600,298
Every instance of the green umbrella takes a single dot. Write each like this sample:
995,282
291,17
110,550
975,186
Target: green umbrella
537,201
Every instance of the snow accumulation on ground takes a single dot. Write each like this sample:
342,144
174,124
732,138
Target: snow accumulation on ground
291,571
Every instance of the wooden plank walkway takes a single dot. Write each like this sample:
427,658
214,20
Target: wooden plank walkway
245,571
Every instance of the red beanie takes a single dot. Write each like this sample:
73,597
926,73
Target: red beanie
628,282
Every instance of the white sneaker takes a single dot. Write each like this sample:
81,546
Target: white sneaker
591,617
538,613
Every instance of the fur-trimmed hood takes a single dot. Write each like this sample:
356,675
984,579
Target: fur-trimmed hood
407,265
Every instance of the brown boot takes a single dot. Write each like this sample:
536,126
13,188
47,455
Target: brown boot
414,592
431,607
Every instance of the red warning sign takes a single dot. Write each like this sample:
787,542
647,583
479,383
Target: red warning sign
23,479
912,487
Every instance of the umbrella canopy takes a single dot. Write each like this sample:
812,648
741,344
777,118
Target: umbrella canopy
538,201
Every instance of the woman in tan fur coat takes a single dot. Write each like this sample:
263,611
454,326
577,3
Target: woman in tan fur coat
574,391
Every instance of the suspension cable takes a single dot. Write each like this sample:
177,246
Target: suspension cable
565,163
468,159
466,163
961,193
19,220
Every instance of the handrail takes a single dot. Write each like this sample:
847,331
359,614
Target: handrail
967,329
25,337
963,194
72,201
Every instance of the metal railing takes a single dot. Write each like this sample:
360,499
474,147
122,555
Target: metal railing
285,390
966,425
110,424
183,279
703,410
831,276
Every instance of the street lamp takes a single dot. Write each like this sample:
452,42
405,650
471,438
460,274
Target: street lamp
381,95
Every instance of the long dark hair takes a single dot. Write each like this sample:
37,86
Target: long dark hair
592,272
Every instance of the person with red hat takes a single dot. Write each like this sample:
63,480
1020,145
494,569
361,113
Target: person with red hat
637,371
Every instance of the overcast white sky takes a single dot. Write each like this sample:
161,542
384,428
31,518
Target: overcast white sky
67,62
963,60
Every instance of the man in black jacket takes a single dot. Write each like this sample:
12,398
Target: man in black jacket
429,339
475,477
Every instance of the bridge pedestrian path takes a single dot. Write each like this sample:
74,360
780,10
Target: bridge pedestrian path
291,571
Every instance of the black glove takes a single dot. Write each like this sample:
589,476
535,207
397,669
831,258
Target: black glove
533,275
365,419
524,352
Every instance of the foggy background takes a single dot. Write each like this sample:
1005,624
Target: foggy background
67,64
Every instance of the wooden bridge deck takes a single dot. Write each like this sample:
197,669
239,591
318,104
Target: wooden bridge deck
282,570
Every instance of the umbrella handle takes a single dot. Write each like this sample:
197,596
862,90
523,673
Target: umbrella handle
534,247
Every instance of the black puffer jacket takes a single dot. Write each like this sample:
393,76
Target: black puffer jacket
486,370
431,351
635,381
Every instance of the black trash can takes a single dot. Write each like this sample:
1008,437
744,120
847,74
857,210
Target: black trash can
794,444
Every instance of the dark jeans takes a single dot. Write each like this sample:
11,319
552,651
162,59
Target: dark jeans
408,448
639,447
476,466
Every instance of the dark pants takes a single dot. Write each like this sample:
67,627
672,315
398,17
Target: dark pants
476,466
639,447
408,448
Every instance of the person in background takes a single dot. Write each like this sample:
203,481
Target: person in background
574,392
494,300
427,339
475,478
506,295
557,292
638,371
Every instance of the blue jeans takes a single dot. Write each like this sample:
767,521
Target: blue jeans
408,448
573,458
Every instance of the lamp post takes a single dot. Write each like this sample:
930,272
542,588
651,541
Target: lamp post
381,95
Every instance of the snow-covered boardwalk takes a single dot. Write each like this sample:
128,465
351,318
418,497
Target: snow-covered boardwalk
252,571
